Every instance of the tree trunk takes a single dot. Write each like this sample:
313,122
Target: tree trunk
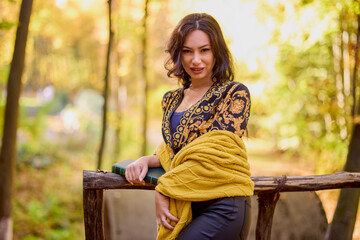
118,98
8,153
117,139
146,84
343,223
356,61
106,92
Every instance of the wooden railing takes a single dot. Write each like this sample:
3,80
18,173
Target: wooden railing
266,188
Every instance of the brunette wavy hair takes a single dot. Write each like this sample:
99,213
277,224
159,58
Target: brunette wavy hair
223,68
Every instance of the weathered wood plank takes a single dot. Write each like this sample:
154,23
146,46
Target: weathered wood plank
308,183
101,180
93,214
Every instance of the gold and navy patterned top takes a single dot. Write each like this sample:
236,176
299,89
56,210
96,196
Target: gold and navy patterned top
225,106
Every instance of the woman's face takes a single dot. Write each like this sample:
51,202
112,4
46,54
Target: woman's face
197,57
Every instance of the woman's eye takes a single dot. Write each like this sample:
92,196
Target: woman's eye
205,49
186,51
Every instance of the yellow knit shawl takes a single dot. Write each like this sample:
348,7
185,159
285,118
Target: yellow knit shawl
212,166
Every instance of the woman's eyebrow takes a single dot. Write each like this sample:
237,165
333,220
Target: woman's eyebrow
199,47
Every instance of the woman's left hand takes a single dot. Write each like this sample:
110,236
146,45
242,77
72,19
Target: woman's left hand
162,211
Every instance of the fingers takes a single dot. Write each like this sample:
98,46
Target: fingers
133,172
171,217
136,172
129,175
163,214
143,174
165,223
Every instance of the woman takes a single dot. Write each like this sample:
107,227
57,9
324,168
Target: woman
205,191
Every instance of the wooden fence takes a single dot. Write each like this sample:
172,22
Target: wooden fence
266,188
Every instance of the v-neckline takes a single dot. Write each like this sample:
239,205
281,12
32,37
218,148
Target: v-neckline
196,103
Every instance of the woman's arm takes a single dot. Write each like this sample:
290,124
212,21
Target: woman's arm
135,172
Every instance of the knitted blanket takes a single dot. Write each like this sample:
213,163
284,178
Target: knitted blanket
212,166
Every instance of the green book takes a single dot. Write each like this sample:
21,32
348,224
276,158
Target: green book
152,175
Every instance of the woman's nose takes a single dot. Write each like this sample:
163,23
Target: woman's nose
196,58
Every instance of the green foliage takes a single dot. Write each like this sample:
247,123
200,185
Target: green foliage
50,157
6,25
306,99
61,50
4,71
47,204
48,216
305,111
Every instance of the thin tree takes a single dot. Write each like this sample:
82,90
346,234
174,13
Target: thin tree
117,87
145,77
355,72
106,91
8,152
118,107
343,223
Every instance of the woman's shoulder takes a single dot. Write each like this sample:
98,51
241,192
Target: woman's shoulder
172,93
236,85
233,87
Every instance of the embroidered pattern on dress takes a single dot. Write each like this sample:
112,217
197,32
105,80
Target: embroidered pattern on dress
224,106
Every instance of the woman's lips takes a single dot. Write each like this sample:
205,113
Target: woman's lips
197,70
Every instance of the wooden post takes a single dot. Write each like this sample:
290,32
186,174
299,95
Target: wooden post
267,204
93,214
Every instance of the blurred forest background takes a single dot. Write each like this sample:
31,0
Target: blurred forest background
296,56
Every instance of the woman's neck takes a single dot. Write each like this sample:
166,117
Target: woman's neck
198,86
192,94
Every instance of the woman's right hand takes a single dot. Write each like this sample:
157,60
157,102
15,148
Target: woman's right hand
137,170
